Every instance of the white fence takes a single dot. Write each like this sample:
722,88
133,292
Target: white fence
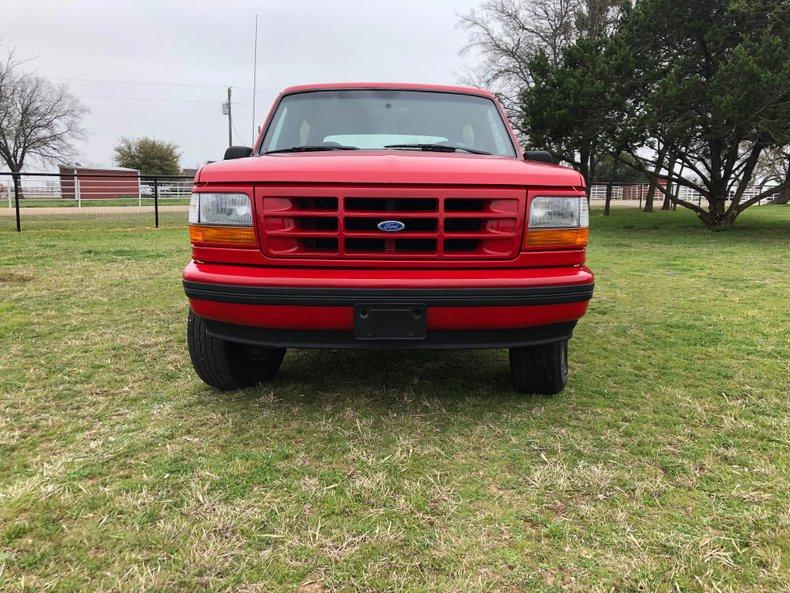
77,191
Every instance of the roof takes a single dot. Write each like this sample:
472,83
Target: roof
407,86
89,168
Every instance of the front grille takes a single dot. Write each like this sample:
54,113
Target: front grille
444,226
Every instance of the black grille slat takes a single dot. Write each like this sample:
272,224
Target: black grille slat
316,223
464,205
459,245
316,203
366,245
391,204
318,243
416,245
462,225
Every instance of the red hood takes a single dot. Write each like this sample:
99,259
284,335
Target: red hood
389,167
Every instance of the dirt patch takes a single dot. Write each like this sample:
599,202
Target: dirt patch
14,278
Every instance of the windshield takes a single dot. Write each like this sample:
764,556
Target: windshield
376,119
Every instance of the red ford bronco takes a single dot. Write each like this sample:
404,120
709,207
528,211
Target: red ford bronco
385,216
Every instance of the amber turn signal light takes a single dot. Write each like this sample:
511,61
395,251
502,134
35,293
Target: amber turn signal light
240,236
556,237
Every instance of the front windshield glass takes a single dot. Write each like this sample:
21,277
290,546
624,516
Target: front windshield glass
375,119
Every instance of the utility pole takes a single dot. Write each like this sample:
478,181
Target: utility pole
254,78
226,110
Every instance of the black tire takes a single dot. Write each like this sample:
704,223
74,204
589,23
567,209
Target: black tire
227,365
540,369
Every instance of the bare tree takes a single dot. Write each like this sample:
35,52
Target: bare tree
38,119
773,168
506,34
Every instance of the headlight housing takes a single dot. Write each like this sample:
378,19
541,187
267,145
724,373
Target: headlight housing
224,209
557,221
550,212
221,219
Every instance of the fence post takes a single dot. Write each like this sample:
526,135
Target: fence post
77,192
156,202
17,183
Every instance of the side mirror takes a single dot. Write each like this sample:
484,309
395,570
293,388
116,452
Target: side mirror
238,152
539,155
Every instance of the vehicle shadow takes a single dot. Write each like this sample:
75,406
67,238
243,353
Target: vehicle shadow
446,373
386,380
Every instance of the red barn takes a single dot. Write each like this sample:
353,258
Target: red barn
91,183
639,191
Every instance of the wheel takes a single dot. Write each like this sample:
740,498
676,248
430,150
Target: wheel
540,369
228,365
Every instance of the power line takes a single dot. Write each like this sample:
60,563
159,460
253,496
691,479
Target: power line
237,134
192,84
160,100
140,82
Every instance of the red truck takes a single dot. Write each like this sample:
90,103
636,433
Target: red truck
385,216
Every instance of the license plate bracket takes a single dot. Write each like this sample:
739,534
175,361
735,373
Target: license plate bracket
390,322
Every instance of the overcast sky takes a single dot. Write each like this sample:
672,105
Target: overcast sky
194,50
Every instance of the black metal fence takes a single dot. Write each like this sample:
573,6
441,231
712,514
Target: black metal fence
126,199
111,199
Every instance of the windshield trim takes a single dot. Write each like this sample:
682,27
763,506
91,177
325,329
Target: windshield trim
270,117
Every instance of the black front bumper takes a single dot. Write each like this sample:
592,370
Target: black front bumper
339,297
435,339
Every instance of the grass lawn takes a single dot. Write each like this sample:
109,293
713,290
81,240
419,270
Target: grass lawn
111,219
663,466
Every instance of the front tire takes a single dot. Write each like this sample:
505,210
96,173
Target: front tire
540,369
227,365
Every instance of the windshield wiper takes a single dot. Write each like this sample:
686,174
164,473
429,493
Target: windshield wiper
312,148
438,148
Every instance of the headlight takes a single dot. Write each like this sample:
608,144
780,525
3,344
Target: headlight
222,209
558,213
557,222
221,220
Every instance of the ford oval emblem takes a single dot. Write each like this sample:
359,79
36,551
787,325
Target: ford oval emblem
391,226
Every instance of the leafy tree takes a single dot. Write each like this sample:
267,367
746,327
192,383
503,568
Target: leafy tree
574,104
148,155
562,109
623,172
710,80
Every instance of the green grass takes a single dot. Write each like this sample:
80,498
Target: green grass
76,219
662,467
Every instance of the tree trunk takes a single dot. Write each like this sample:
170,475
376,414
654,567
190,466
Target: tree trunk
783,197
717,216
670,168
651,194
584,169
609,186
677,192
651,190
